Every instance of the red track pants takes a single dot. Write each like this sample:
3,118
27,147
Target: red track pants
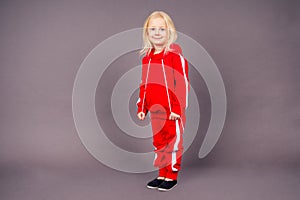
168,143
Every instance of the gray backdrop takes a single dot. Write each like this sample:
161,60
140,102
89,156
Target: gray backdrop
255,44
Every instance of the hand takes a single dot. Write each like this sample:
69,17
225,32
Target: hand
174,116
141,115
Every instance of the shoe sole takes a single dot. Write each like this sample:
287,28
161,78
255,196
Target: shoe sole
165,190
150,187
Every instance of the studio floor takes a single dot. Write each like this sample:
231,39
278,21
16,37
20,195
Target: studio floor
54,182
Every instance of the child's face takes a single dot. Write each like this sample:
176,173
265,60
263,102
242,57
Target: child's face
157,32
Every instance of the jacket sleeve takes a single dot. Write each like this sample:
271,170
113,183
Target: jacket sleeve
141,102
181,85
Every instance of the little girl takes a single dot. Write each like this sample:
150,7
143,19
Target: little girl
163,92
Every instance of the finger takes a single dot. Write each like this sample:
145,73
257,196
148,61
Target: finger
140,117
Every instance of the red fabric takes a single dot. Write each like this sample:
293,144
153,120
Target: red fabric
167,134
156,98
168,143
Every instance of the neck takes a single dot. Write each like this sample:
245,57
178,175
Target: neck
158,49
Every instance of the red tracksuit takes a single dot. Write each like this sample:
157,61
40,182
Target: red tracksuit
164,89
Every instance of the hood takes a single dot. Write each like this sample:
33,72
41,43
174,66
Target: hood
175,48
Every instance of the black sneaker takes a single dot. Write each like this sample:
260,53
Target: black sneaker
167,185
155,183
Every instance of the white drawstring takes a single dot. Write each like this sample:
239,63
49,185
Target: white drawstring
146,84
163,67
166,84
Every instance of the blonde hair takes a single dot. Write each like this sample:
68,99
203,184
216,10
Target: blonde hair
172,34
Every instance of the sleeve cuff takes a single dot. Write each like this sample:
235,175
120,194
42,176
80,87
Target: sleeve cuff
177,110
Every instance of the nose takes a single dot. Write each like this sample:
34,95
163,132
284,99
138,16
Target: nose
157,31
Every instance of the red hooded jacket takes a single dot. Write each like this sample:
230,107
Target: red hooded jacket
165,84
